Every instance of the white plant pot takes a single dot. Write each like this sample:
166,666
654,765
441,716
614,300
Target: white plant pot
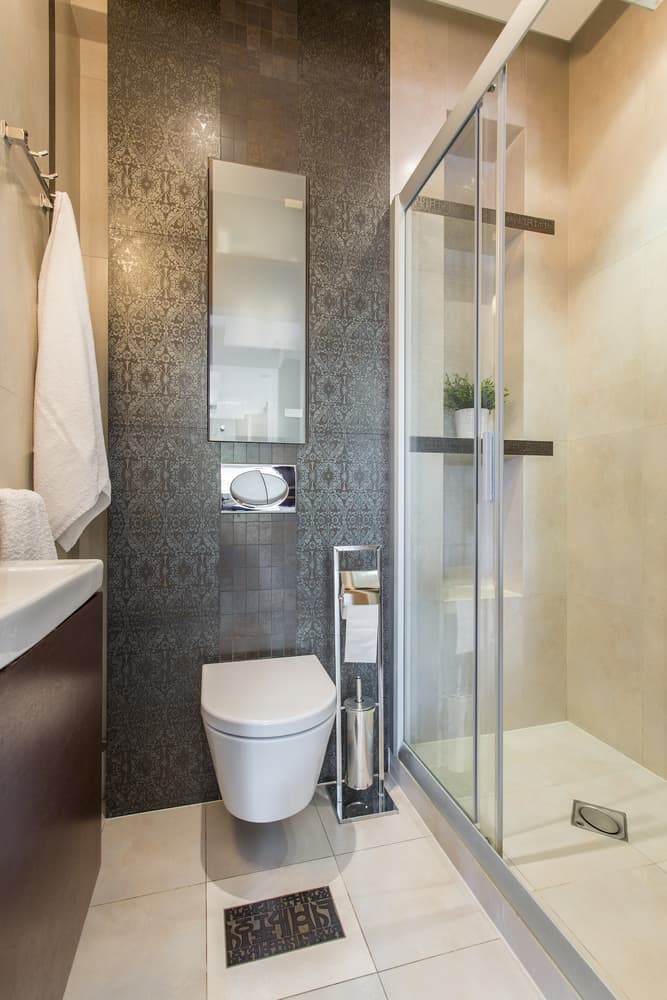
465,423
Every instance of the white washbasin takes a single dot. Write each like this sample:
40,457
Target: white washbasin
36,596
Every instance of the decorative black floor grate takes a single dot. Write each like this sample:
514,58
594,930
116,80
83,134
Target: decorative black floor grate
276,926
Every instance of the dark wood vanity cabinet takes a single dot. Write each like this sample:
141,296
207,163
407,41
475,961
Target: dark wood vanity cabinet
50,803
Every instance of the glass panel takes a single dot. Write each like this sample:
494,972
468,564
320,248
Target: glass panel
257,321
441,476
492,467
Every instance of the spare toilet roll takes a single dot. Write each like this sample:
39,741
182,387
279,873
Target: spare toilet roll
361,633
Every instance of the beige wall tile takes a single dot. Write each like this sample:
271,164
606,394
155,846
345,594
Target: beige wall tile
67,87
94,221
24,231
534,661
93,59
469,38
604,682
617,488
605,344
434,53
604,518
654,694
418,37
653,500
610,199
654,341
15,447
544,523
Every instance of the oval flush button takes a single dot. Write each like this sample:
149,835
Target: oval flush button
276,488
258,489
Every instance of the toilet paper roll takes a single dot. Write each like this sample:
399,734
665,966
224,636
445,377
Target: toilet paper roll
361,633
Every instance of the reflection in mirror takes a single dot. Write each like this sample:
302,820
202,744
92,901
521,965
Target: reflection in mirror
257,304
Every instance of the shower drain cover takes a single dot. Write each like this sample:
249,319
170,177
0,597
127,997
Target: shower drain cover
599,819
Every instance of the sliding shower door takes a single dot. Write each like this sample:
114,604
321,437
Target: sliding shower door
451,690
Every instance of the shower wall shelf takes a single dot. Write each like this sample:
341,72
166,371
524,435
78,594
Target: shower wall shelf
466,213
464,446
459,217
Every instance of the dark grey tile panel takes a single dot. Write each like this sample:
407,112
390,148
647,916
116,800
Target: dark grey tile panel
291,86
343,148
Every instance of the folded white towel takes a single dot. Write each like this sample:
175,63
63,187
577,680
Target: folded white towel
71,470
24,526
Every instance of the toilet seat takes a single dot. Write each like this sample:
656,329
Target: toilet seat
260,699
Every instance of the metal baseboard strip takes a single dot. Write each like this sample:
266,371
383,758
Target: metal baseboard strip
548,956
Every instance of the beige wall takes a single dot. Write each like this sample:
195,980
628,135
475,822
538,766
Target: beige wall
586,536
617,484
80,161
434,53
90,18
24,85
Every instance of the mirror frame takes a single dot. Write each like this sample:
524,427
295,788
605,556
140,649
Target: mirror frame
209,304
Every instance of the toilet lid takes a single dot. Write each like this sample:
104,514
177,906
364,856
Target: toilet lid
260,698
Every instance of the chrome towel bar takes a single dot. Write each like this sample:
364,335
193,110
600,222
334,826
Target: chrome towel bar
19,137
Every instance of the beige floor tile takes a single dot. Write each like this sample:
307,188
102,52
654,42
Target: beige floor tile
411,902
376,832
642,796
299,971
151,852
620,919
234,847
485,970
151,946
368,988
557,753
541,841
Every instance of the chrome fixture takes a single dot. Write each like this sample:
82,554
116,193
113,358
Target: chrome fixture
362,793
267,488
19,137
360,717
600,819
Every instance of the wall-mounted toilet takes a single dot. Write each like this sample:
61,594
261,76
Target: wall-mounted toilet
268,724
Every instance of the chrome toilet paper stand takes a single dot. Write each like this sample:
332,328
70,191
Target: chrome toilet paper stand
358,587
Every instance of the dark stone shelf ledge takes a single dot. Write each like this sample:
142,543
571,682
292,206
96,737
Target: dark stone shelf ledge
464,446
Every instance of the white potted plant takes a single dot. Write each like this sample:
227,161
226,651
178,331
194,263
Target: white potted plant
459,396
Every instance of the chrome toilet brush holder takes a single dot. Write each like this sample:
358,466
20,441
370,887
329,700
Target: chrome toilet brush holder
359,791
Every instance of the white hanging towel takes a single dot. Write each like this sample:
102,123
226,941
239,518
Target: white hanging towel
24,526
70,466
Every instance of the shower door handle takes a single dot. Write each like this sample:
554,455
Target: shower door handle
489,465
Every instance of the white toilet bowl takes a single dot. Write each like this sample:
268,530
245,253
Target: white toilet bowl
268,724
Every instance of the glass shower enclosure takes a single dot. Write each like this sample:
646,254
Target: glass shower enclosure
531,591
453,467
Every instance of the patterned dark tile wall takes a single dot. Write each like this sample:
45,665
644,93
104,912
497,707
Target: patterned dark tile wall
297,87
344,469
164,121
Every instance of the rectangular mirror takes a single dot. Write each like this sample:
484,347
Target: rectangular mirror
257,304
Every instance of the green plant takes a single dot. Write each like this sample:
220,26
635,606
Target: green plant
460,393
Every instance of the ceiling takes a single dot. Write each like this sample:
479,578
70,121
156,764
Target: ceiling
562,18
